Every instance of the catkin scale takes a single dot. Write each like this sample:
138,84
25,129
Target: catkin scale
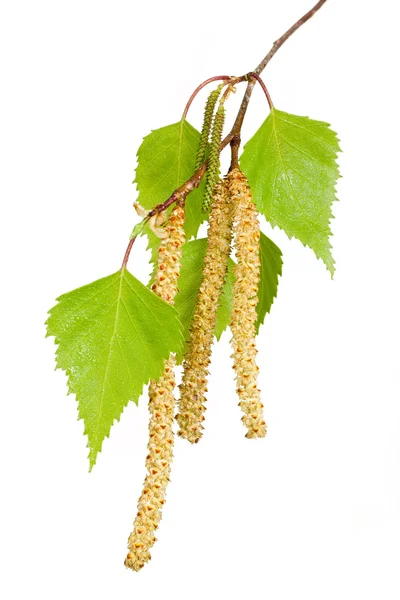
195,367
246,231
161,408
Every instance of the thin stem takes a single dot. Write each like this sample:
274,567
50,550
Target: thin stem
278,43
264,87
200,87
235,143
275,47
127,253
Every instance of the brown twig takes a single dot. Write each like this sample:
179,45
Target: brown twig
275,47
191,184
235,132
278,43
182,192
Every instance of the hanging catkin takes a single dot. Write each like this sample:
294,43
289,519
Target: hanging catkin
161,407
246,231
207,121
197,358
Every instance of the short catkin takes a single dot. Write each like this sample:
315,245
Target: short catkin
207,122
197,359
161,407
246,231
213,163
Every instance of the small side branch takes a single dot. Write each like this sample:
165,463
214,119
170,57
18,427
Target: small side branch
280,41
264,87
275,47
182,192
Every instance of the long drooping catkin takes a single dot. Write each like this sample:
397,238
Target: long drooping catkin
161,407
197,359
246,230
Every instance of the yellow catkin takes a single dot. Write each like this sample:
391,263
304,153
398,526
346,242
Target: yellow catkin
197,358
161,407
246,230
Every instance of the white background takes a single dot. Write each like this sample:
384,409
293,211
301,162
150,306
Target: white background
313,510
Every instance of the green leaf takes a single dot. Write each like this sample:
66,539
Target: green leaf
166,159
189,282
291,166
113,336
271,268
